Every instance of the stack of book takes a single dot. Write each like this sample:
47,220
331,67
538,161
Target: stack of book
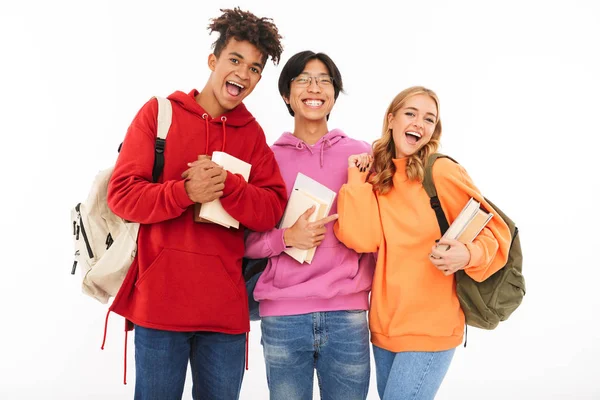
213,211
306,193
468,224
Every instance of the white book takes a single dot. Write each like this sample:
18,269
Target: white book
214,211
306,193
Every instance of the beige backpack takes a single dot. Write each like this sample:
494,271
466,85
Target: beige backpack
105,244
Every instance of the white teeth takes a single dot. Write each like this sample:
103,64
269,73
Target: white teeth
415,134
235,84
313,103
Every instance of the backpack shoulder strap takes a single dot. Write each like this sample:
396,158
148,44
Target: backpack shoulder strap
163,123
429,187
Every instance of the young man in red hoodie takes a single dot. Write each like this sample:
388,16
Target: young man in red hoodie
184,292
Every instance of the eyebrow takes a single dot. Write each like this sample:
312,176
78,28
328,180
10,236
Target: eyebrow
256,64
416,109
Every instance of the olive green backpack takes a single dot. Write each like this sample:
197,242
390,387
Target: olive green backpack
485,303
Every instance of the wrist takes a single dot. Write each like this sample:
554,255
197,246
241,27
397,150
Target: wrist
287,240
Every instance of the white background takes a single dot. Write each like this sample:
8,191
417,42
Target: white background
519,90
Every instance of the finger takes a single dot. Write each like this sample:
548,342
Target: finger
438,263
216,195
205,162
217,173
308,212
204,157
437,253
448,242
318,239
185,174
219,187
323,221
318,231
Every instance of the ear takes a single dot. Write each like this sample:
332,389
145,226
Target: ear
287,101
212,62
390,118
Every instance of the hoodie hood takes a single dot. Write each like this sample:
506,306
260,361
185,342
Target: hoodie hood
239,116
288,140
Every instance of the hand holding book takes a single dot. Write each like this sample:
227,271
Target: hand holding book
450,253
307,194
204,180
305,235
449,256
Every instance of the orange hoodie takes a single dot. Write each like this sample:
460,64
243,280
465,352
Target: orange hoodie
414,306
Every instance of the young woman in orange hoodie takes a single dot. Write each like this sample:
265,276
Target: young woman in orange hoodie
415,317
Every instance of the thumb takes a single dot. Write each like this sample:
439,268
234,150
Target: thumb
308,212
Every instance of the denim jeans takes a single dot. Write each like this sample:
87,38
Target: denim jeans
161,359
335,343
410,375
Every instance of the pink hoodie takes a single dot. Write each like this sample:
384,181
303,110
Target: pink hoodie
338,278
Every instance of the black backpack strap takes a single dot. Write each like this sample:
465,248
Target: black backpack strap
159,159
429,187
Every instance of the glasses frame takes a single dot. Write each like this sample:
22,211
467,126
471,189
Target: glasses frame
316,78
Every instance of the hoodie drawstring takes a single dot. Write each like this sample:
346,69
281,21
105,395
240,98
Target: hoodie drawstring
328,142
205,118
223,120
247,340
105,329
125,356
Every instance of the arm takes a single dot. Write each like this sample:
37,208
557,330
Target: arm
265,244
259,203
359,223
131,193
489,250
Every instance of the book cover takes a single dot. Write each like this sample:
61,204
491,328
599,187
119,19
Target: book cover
214,211
306,193
468,224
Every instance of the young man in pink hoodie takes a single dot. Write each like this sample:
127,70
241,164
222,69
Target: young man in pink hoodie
313,316
184,292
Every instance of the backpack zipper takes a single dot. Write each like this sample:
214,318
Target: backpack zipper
85,239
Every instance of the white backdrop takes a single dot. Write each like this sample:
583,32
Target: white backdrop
518,83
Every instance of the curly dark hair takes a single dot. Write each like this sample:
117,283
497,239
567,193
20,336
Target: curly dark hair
243,25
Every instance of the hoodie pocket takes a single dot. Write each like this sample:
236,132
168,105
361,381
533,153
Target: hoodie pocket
185,290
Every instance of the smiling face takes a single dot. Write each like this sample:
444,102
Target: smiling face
234,76
413,124
312,101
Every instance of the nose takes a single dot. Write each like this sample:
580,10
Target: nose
242,71
418,124
314,86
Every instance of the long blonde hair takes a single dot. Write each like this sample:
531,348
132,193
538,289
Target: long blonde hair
384,149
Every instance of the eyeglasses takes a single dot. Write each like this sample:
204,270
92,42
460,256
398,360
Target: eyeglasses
306,80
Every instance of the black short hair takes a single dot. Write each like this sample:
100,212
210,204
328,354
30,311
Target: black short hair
243,25
294,67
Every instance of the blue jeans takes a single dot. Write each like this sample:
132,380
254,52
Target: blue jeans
410,375
161,359
335,343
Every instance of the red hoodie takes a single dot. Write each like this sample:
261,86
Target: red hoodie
187,276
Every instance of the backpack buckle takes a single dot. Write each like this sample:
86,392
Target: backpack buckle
159,147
